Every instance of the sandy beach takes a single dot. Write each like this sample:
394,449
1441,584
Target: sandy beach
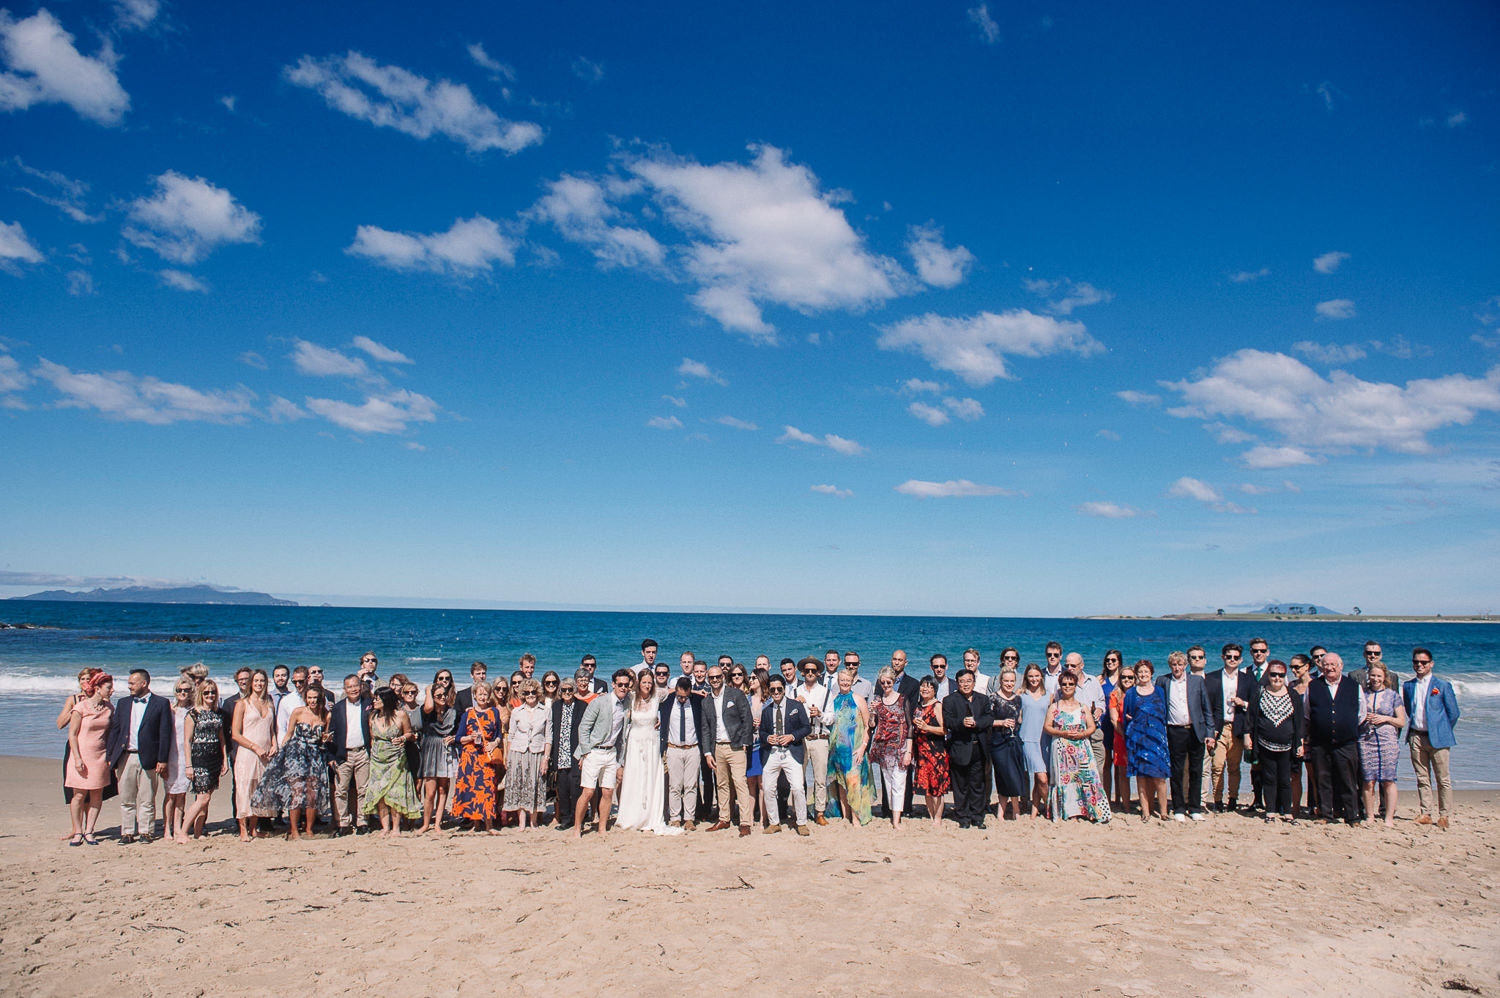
1230,906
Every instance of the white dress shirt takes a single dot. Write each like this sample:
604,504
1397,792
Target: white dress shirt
815,696
137,715
1231,687
290,702
354,733
1177,707
1419,694
680,723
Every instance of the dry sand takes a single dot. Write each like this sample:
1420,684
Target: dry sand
1227,907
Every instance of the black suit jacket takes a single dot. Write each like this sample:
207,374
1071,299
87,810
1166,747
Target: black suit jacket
338,726
557,708
955,709
153,741
463,700
1244,687
669,710
907,687
739,727
795,723
226,711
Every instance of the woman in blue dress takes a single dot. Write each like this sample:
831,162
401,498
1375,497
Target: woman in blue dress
296,778
1034,704
848,766
1145,715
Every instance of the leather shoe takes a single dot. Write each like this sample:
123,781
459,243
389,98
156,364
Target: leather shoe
676,824
802,830
1443,823
689,826
744,830
1425,819
821,820
769,830
718,826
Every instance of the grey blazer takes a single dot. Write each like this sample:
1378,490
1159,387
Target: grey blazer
598,719
737,724
1200,712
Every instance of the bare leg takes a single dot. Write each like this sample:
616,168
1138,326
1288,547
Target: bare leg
76,810
92,801
606,801
1388,792
293,832
1370,799
584,796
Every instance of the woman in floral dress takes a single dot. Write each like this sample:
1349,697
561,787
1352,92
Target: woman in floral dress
1076,789
479,732
389,791
1380,742
930,750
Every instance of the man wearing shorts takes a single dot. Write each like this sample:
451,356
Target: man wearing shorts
600,742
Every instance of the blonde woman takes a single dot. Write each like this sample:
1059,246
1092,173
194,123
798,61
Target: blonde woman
175,811
524,788
206,747
88,772
253,731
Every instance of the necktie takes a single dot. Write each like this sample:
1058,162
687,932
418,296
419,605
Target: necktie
780,724
681,723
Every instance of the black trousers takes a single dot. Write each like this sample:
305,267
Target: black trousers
567,795
1276,780
1186,750
969,790
1338,780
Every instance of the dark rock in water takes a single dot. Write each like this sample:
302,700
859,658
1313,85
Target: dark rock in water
189,639
26,627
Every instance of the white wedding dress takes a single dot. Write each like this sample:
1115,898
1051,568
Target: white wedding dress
642,799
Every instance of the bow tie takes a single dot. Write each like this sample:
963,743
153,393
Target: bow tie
138,699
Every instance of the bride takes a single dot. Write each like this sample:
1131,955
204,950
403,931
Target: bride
642,797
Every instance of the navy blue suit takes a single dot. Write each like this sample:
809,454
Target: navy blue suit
795,723
338,726
153,741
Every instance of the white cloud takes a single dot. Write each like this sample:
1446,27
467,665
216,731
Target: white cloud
80,283
1264,456
392,97
124,396
136,15
938,265
67,194
413,445
1108,510
929,414
391,412
1234,508
967,409
1226,434
1246,276
1066,295
664,423
1325,91
469,246
580,209
483,60
835,443
283,410
12,377
186,219
832,490
1329,262
975,348
1193,488
690,368
229,101
180,280
588,70
1457,119
676,400
16,246
1335,308
950,489
1134,397
252,359
917,386
1314,414
322,362
989,31
1251,489
45,68
738,424
380,351
1107,435
1330,353
766,234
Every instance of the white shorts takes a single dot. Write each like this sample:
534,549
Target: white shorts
599,767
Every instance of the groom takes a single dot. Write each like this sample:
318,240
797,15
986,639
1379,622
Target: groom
601,746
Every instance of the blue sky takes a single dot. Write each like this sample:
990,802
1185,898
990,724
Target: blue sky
995,309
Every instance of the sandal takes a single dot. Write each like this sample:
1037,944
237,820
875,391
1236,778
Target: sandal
90,840
76,840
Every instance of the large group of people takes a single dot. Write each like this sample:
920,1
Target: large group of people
796,746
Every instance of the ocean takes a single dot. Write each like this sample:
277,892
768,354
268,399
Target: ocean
38,668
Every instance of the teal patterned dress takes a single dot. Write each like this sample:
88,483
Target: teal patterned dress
844,733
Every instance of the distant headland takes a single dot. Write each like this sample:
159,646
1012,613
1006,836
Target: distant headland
171,594
1310,611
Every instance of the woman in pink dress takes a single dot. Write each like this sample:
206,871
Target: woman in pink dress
254,734
88,773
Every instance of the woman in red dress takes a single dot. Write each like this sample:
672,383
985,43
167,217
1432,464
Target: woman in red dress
931,753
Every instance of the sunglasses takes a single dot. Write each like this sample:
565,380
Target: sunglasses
1275,675
550,682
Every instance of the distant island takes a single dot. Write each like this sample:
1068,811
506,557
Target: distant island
148,594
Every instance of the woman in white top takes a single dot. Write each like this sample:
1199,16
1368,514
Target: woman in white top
177,782
525,791
643,786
